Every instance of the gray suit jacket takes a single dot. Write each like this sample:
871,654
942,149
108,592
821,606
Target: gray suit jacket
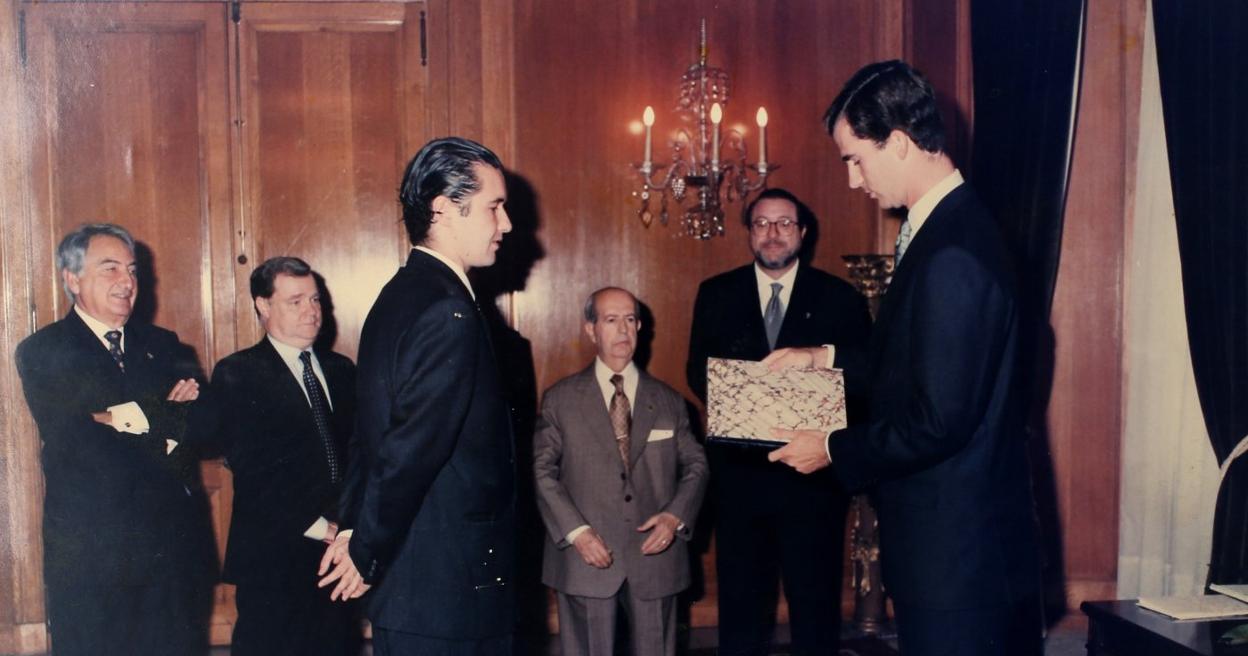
581,480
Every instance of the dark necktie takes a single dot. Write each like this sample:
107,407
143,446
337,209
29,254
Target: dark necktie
773,317
903,242
621,417
114,347
321,413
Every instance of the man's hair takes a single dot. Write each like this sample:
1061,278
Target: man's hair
443,167
264,275
591,312
887,96
71,253
805,217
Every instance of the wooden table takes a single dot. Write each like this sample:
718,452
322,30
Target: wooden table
1120,628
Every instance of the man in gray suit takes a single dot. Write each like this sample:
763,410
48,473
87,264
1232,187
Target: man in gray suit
614,544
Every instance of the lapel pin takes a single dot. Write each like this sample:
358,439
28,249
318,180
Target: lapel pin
457,315
150,356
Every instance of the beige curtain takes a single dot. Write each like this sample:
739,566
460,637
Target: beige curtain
1169,473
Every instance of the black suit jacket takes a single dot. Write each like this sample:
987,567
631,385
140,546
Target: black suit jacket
728,323
281,473
117,509
944,448
431,495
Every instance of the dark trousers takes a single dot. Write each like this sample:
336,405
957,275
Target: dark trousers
167,618
293,620
1004,630
797,541
399,643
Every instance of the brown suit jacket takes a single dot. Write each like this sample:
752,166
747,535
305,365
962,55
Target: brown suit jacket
581,480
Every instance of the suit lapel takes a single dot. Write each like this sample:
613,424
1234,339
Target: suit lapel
798,311
643,418
752,313
94,352
594,414
291,390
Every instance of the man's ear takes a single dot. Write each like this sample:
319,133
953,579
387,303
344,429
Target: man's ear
71,282
441,205
900,143
589,330
263,308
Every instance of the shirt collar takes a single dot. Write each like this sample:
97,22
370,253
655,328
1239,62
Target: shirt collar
923,207
764,280
459,271
99,327
603,374
290,354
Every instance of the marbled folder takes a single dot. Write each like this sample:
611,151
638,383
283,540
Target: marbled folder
745,401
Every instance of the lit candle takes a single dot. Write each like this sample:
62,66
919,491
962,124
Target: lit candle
761,117
717,115
647,118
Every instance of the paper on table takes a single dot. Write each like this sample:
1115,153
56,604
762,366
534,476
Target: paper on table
1195,608
745,400
1239,592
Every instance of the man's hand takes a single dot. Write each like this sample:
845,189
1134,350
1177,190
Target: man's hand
806,451
350,583
184,390
105,417
331,534
592,549
797,358
664,526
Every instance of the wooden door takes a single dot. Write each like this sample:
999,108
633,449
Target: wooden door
332,105
131,116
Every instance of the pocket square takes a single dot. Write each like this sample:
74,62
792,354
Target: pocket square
660,434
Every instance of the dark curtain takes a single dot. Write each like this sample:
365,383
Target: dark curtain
1025,55
1201,55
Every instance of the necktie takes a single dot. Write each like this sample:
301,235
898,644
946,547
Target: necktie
621,418
903,242
321,413
774,315
114,347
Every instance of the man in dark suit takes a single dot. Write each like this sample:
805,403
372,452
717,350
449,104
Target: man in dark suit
128,551
431,494
943,450
286,416
613,421
776,301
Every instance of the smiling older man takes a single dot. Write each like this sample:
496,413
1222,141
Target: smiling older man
128,551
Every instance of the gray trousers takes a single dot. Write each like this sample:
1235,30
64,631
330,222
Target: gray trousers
587,624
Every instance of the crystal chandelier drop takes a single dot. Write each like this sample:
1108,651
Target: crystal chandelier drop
704,172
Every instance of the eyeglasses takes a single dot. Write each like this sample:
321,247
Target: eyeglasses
783,225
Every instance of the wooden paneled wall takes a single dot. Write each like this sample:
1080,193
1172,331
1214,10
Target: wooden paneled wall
554,86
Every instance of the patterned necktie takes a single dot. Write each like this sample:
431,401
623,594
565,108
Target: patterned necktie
114,347
903,242
774,316
321,413
621,417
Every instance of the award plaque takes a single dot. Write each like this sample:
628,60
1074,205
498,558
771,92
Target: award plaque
744,401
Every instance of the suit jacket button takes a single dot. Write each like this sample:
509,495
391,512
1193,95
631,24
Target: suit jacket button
623,476
628,497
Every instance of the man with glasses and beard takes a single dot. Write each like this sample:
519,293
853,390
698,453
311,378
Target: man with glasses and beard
772,523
